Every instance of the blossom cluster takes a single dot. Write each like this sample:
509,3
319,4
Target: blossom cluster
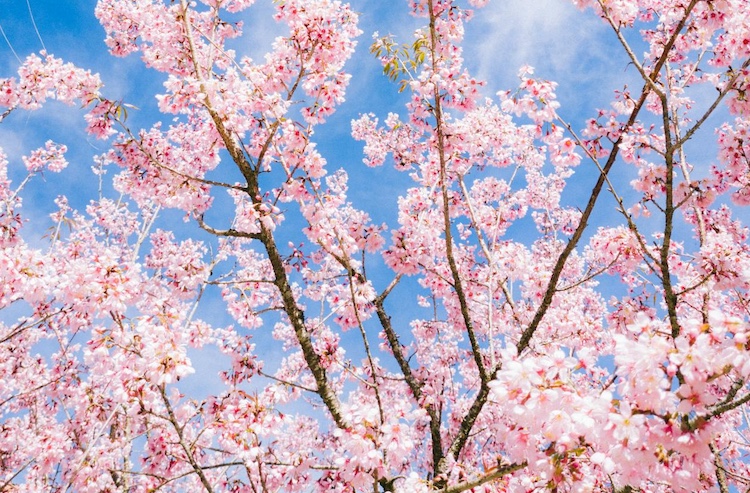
499,334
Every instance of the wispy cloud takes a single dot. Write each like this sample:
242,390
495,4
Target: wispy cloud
574,48
547,33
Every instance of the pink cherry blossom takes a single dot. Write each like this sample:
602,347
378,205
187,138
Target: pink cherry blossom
560,302
51,157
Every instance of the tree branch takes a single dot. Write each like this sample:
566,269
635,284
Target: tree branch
197,468
527,334
294,313
496,474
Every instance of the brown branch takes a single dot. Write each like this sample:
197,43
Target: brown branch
414,385
186,176
9,481
457,282
164,480
297,319
726,407
647,256
352,275
670,298
714,105
30,391
197,468
721,475
294,313
7,112
589,276
732,392
286,382
231,232
527,334
546,302
491,476
27,324
467,423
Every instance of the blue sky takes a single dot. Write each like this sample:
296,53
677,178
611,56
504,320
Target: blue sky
553,36
573,48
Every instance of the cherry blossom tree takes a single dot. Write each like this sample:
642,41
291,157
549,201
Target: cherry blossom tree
542,353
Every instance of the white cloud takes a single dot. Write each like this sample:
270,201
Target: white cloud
549,33
572,47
